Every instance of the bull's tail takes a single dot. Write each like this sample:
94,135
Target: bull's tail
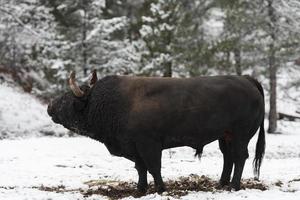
260,150
261,142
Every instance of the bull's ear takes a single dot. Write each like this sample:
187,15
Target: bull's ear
93,78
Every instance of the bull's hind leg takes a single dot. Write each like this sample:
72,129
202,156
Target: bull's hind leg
240,154
150,152
225,147
142,172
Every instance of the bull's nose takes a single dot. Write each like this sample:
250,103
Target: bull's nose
49,109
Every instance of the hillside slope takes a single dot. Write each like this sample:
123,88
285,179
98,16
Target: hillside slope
22,115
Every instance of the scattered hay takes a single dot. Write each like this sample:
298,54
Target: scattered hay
113,190
253,184
57,189
278,183
8,187
175,188
294,180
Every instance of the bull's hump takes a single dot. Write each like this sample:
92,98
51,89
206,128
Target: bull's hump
178,79
131,85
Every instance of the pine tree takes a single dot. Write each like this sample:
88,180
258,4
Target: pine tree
238,39
174,38
93,39
280,44
158,33
27,30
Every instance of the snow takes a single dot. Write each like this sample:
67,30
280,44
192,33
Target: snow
290,10
32,162
214,25
107,26
146,30
23,115
289,94
58,64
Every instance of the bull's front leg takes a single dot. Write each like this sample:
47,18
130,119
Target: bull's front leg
150,152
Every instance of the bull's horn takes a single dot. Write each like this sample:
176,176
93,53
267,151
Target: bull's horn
74,87
93,78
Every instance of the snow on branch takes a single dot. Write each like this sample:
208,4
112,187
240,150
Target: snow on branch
107,26
19,21
290,10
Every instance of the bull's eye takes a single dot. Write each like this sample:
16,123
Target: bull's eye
78,105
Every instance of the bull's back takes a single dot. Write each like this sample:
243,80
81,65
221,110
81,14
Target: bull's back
187,108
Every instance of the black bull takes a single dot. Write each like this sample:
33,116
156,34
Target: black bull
137,117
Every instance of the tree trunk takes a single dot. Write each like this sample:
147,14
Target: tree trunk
273,81
168,69
272,70
84,45
238,62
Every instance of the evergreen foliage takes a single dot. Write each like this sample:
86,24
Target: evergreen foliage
43,40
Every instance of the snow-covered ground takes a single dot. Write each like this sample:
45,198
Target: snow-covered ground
21,115
27,164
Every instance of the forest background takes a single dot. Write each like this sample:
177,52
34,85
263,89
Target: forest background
41,41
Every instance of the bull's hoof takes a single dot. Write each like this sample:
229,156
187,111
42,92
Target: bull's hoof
222,186
139,193
223,183
219,186
160,189
227,188
142,190
235,186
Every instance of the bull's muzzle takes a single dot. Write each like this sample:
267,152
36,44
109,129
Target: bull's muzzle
50,109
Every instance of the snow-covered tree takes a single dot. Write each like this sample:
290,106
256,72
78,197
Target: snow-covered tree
158,32
237,43
258,33
281,45
174,38
92,40
27,28
113,54
290,10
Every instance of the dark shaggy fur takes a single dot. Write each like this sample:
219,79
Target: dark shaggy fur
137,118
